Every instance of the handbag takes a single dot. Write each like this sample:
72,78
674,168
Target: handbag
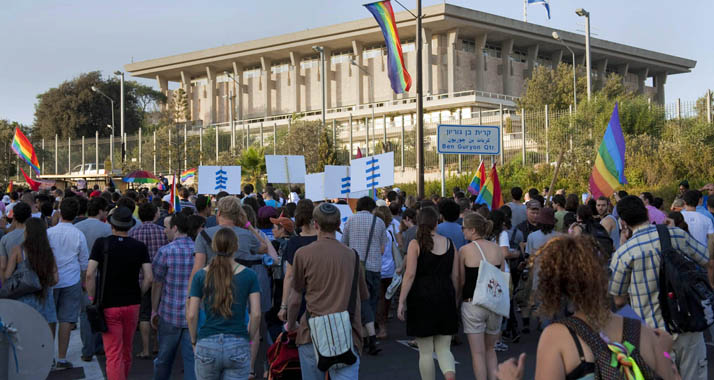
398,263
22,281
332,333
491,290
284,358
95,311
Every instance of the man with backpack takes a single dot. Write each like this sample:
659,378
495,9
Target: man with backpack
636,269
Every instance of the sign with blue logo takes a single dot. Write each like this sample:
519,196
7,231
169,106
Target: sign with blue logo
468,139
372,172
214,179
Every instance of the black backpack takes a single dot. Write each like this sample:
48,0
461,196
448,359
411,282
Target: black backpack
686,298
597,231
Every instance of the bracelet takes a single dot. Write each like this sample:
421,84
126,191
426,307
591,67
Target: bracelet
283,307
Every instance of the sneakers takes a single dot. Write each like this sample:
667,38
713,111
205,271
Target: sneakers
63,364
500,347
371,347
87,358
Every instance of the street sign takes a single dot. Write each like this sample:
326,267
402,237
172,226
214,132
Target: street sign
468,139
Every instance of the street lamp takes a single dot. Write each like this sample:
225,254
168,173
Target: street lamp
583,13
111,140
321,50
575,87
121,113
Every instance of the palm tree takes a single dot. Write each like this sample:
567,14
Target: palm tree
252,162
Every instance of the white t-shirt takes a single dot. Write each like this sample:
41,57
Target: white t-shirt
503,239
699,225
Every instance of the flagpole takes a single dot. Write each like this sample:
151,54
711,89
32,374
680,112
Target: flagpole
419,107
525,10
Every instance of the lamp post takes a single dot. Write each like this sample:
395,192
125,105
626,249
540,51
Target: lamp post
111,146
575,87
233,125
583,13
121,113
321,50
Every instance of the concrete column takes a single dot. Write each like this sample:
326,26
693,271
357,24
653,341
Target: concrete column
328,77
266,84
506,72
238,76
641,78
659,81
211,94
555,58
623,70
427,82
451,61
357,50
296,81
480,42
601,68
531,59
164,88
186,86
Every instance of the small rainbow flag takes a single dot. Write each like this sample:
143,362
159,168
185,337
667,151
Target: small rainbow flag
186,174
9,188
23,148
609,170
175,203
398,75
478,180
490,194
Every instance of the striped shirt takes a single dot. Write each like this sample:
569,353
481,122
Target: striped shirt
172,267
635,269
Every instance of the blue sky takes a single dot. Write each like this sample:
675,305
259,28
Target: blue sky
47,42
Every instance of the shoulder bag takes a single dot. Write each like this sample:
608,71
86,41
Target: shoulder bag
95,311
331,334
22,281
491,290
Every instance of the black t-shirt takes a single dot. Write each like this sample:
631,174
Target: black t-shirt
295,243
126,256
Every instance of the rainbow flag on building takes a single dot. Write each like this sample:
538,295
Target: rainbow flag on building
398,75
186,174
609,170
490,193
478,180
23,148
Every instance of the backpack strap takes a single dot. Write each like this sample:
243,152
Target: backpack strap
597,345
369,238
665,240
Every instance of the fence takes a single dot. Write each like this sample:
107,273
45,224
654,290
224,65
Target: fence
525,135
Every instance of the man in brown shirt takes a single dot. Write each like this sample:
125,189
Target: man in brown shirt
325,271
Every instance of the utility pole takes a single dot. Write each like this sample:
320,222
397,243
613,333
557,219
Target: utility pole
419,107
121,114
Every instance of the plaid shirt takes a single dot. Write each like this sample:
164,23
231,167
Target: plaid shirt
356,234
150,234
635,269
172,267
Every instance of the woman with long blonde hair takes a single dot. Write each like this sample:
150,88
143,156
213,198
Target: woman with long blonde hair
224,287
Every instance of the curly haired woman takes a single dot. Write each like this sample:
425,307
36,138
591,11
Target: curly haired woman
582,346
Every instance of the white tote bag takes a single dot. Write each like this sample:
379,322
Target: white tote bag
491,290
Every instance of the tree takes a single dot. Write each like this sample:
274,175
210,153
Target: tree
72,109
252,162
326,153
553,87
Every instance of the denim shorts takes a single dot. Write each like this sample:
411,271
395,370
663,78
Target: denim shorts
222,356
68,301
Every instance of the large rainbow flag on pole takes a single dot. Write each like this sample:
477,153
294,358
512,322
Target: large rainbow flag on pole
478,180
490,193
398,75
23,148
609,170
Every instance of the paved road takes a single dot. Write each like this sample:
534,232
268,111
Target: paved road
396,362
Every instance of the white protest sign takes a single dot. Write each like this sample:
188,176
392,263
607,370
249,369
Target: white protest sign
345,213
214,179
315,186
285,169
372,172
338,183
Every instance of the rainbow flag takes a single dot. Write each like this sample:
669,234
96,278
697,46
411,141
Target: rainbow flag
490,193
9,188
186,174
609,170
398,75
478,180
23,148
175,201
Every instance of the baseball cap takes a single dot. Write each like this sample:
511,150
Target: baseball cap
533,204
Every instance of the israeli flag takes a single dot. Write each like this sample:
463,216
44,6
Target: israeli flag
545,4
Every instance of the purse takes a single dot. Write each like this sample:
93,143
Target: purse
491,290
22,281
95,311
332,333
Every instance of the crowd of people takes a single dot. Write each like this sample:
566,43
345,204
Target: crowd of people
218,278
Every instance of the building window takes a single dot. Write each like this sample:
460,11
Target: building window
409,46
491,50
543,60
468,46
279,67
519,55
309,61
373,51
251,72
343,56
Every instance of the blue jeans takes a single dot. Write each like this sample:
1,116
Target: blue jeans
308,366
91,342
222,356
170,338
369,306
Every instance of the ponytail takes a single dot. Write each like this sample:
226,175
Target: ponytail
426,223
219,285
